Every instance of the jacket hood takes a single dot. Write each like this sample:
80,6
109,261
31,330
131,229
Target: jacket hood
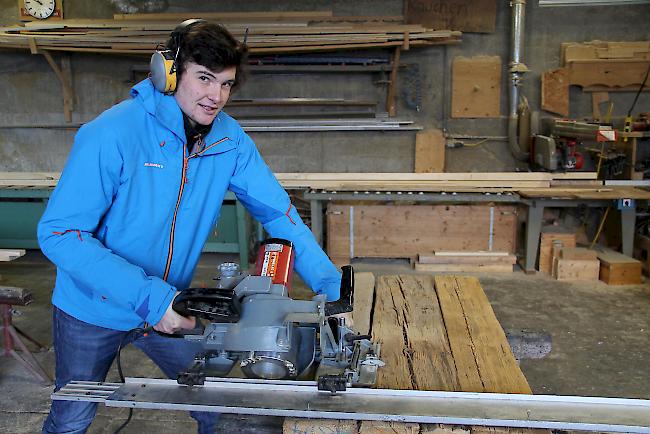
162,107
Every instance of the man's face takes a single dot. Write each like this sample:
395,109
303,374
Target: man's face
202,93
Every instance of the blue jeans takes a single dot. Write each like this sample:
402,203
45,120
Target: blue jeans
86,352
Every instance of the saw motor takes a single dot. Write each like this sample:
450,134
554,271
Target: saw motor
253,321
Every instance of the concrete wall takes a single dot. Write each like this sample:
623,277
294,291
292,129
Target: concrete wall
32,94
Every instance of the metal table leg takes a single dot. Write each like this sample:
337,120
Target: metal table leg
316,207
628,221
533,230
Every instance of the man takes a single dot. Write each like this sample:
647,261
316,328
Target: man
138,197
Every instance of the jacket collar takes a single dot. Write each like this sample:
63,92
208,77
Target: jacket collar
166,110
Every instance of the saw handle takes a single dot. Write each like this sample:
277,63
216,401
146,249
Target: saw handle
344,303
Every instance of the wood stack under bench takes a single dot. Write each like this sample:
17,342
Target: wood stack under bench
619,269
467,262
548,237
437,333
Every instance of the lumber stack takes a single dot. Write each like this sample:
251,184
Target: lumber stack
267,32
436,334
466,262
553,239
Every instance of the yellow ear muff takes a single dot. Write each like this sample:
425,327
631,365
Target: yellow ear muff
163,71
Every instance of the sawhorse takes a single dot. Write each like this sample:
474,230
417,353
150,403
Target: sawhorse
10,296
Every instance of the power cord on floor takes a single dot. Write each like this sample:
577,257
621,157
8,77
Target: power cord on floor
134,334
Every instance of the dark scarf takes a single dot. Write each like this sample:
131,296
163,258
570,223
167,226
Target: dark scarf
195,133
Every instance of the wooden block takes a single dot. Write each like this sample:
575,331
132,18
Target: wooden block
429,151
476,87
576,269
555,91
578,253
319,426
10,254
464,268
546,246
619,269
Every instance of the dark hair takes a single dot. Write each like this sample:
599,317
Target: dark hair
209,45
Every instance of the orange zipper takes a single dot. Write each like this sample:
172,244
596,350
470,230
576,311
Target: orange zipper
178,203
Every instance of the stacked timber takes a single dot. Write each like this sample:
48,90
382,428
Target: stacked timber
435,334
467,262
266,32
460,181
553,238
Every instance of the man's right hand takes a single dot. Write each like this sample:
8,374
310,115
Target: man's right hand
171,322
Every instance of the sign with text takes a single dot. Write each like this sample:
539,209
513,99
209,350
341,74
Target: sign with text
477,16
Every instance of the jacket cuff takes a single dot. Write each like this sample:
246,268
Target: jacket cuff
156,303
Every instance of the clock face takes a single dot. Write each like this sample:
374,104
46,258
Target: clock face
40,9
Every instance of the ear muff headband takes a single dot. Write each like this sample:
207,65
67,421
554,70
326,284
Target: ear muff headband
163,62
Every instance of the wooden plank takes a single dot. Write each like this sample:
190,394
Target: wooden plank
385,231
463,268
466,15
408,322
490,351
476,87
429,151
378,427
466,259
479,253
555,91
319,426
364,296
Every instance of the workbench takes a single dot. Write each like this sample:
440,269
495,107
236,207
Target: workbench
535,200
21,207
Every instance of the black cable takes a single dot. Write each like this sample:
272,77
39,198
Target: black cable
629,113
137,332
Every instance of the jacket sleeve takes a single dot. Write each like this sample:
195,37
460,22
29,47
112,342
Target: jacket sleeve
66,232
261,193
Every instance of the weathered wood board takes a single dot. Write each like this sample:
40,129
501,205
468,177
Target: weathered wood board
555,91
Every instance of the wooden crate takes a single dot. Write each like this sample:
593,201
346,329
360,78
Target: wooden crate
619,269
576,269
404,231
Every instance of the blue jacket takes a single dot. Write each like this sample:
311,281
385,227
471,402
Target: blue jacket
127,221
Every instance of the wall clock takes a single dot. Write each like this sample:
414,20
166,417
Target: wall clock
31,10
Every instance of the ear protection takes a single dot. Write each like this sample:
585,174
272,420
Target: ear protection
163,65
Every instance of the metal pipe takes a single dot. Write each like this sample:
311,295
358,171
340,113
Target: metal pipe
517,70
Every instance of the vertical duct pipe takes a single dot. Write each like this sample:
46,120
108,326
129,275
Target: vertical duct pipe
517,70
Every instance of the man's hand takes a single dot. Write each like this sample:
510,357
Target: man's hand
171,322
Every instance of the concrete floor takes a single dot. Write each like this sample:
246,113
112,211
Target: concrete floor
599,332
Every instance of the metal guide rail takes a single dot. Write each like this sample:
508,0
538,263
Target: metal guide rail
302,399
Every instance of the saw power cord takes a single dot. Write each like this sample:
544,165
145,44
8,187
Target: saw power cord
134,334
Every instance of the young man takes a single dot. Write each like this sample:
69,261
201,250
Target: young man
138,197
